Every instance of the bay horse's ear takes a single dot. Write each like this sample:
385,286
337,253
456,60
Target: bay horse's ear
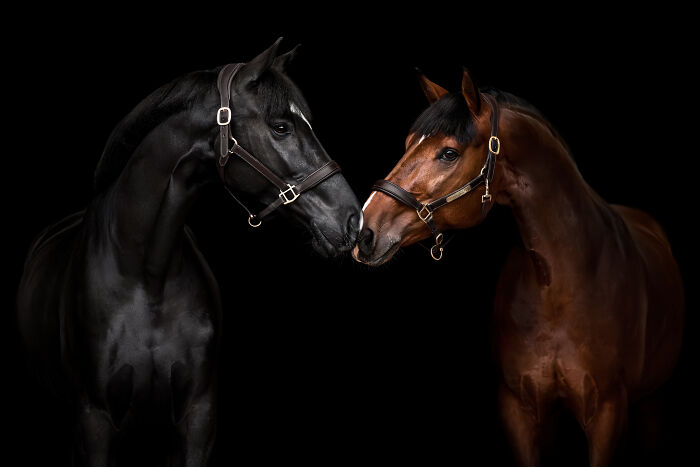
471,93
431,90
283,60
260,64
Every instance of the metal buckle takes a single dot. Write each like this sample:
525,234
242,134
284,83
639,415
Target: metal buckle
228,116
285,198
498,145
424,218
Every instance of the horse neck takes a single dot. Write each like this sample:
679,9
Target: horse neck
143,213
557,213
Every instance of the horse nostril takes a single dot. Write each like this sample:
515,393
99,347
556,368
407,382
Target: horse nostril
365,241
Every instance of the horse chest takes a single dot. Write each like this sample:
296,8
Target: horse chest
149,339
556,344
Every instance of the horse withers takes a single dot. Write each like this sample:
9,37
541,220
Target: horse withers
118,310
588,310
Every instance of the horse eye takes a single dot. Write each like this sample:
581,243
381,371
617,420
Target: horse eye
448,155
280,128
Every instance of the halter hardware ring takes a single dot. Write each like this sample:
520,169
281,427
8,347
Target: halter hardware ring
437,257
228,116
498,145
422,217
286,199
250,221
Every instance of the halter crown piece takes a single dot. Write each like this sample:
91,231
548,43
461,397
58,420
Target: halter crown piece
288,192
425,211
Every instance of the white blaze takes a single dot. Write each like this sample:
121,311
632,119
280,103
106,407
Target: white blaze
368,200
295,110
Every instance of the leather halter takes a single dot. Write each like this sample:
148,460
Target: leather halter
288,192
425,210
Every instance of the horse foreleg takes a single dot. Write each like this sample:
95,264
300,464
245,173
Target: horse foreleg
95,435
196,430
521,426
605,426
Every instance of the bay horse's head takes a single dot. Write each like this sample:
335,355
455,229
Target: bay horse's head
270,120
441,181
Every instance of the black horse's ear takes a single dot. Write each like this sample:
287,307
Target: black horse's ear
282,61
254,69
431,90
471,93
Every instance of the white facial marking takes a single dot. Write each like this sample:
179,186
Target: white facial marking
362,220
368,200
295,110
421,139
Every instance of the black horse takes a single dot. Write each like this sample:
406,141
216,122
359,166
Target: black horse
118,309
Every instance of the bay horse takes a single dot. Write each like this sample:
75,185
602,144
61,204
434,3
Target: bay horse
588,308
118,309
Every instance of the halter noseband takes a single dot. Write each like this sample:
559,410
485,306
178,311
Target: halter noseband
425,211
288,192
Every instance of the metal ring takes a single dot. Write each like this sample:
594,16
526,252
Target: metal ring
432,253
251,217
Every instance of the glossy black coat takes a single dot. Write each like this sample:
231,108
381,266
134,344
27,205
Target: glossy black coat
117,308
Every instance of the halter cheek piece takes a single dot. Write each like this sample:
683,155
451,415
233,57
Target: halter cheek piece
425,211
288,192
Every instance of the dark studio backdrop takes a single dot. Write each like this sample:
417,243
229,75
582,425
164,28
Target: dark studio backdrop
329,362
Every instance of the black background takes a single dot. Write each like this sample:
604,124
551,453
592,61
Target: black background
330,362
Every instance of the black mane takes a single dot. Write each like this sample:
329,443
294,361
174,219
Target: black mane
167,100
274,89
510,100
275,92
450,115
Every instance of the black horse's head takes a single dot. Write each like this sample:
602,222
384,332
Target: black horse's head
272,121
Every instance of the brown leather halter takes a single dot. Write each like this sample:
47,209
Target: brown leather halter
288,192
425,210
